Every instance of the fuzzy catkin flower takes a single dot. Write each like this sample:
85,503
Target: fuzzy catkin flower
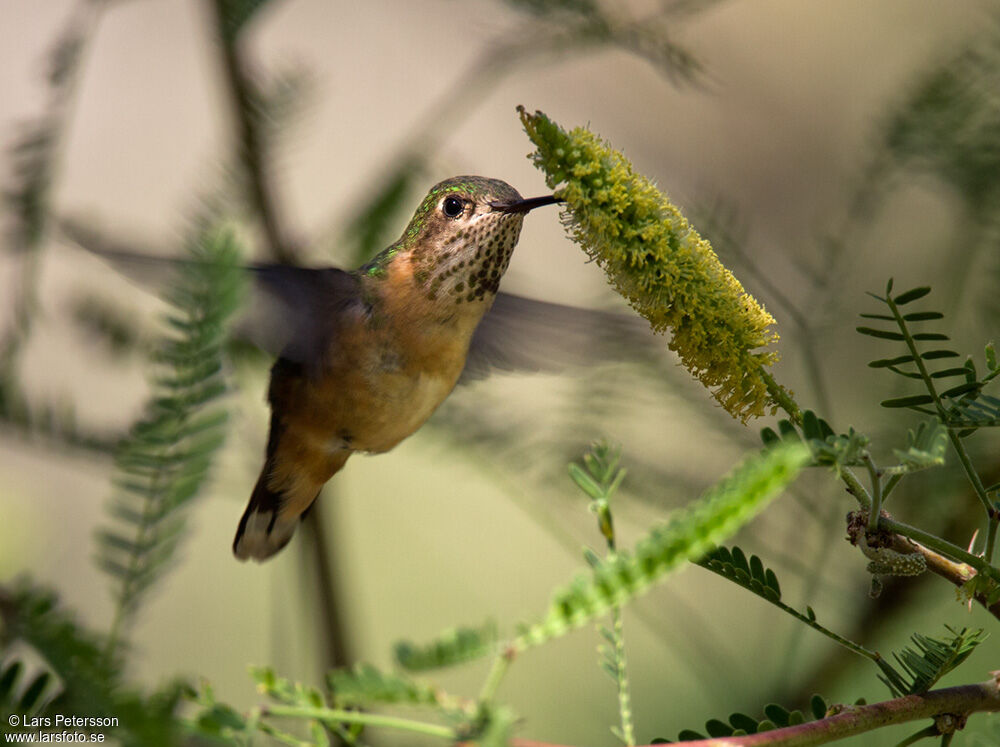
659,263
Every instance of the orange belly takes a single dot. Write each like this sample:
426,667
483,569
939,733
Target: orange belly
384,376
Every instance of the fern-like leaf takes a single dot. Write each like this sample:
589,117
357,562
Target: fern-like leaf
452,647
80,677
981,412
741,724
87,677
164,461
925,448
365,685
624,576
35,151
953,393
827,447
599,478
370,228
362,685
754,576
931,660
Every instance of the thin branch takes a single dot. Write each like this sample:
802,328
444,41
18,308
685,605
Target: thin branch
851,720
331,600
959,701
37,157
939,545
953,572
335,717
253,148
254,154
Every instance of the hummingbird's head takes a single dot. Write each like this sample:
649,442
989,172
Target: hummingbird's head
462,235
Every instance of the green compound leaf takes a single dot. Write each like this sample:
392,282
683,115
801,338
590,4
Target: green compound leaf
79,677
948,372
911,295
880,333
982,412
891,362
369,230
365,685
957,391
931,355
921,316
925,448
740,724
932,659
719,513
912,401
827,447
166,458
753,576
452,647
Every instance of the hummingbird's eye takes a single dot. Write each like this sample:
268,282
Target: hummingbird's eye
452,207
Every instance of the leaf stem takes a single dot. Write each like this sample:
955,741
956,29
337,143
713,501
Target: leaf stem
781,397
991,535
956,442
497,671
876,495
335,716
624,699
253,146
970,471
855,488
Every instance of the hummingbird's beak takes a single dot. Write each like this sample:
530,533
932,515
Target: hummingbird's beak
523,206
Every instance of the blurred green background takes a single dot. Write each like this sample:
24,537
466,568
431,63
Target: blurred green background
773,140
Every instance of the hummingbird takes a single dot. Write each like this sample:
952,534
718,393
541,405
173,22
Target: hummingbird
365,356
392,340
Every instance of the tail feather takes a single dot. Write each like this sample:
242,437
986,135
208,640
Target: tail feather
263,531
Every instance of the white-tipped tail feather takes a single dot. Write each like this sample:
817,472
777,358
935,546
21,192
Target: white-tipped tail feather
262,534
263,531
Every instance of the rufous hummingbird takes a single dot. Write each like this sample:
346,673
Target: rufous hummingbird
366,356
390,343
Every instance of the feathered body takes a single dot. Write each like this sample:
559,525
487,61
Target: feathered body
391,346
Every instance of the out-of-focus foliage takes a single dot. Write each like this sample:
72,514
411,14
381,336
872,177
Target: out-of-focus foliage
164,461
80,676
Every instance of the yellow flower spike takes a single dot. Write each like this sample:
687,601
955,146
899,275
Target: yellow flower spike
659,263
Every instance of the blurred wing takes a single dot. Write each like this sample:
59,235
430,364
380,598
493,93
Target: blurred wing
290,312
523,334
293,311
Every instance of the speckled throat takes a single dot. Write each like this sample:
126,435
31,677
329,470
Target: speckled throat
466,265
459,242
